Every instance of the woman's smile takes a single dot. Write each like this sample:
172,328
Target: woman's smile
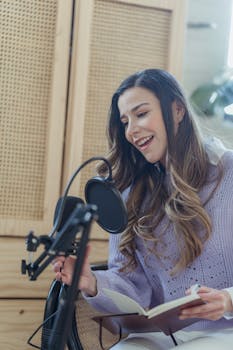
143,143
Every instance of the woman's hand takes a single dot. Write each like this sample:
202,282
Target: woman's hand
217,303
64,268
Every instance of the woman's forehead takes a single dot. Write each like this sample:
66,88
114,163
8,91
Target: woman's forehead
135,97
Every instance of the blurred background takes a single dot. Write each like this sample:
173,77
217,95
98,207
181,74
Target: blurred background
208,65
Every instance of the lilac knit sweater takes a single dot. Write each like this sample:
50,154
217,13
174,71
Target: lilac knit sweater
151,284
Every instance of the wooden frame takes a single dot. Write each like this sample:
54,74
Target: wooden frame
56,128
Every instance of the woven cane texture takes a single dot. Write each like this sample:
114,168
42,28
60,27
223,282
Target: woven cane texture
26,66
125,38
88,330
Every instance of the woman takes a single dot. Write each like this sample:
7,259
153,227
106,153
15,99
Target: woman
179,195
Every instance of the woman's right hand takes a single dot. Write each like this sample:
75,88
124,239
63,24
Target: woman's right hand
64,268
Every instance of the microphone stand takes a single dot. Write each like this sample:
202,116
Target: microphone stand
80,219
63,321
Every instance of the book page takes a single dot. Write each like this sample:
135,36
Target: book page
124,303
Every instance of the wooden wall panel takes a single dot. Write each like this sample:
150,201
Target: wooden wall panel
16,285
13,283
18,320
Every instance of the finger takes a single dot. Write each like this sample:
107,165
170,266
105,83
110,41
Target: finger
202,289
203,310
210,315
66,278
213,296
58,266
58,276
57,259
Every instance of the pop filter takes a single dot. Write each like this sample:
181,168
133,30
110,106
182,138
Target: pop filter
111,210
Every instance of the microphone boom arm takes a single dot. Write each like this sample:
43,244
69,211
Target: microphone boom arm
81,216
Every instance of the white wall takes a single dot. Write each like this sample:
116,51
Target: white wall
206,48
205,56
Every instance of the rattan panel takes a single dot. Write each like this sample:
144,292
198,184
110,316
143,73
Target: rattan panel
26,65
125,38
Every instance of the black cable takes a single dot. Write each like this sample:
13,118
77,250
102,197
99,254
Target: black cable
174,339
37,330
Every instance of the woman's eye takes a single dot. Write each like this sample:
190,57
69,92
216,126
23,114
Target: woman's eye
142,114
124,124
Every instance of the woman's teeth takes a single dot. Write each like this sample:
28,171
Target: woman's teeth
144,141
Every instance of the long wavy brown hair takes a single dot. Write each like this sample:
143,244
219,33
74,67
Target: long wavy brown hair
149,199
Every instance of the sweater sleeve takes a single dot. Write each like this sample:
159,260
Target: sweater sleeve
133,284
229,315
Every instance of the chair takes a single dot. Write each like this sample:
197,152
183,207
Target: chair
85,333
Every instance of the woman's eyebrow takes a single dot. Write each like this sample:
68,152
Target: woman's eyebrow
134,109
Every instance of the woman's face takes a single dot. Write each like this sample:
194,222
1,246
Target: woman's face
141,115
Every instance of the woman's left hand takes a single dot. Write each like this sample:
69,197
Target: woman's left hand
217,303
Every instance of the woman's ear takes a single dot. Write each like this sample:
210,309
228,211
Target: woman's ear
178,112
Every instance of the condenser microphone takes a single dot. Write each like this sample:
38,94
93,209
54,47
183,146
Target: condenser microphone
69,205
111,209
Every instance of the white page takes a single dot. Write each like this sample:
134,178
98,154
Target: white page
124,303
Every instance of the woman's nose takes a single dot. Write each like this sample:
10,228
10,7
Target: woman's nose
132,128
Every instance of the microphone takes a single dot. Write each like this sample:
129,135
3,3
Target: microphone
111,209
69,205
62,214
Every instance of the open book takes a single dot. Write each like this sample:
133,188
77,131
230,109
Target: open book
133,318
127,305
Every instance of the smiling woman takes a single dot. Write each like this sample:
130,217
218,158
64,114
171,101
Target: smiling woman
173,182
